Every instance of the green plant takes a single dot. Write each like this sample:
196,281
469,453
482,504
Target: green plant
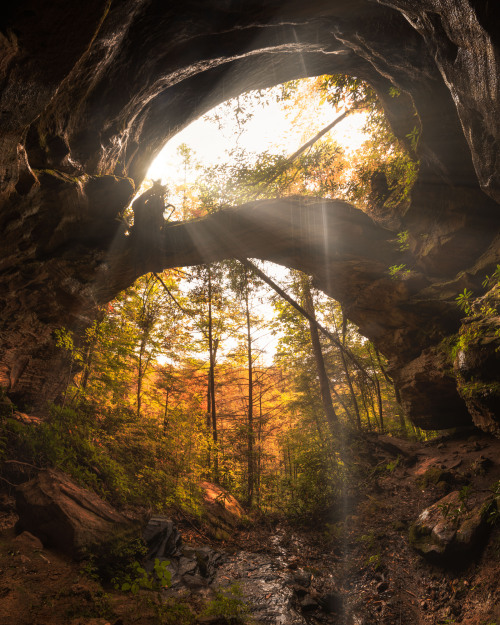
464,301
493,279
117,559
453,511
335,531
399,271
174,612
374,560
493,513
137,577
388,467
228,603
403,240
369,539
413,136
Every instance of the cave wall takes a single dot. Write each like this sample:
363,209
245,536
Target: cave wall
89,96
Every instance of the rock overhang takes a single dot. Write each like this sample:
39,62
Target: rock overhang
95,104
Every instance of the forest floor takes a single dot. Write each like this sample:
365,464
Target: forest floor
364,564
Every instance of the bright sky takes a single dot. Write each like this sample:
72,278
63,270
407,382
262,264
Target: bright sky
275,127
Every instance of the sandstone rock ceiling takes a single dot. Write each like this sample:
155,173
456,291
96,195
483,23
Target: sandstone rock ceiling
88,96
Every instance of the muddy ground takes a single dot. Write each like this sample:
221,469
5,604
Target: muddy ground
361,571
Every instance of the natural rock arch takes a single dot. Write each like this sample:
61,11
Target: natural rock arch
89,97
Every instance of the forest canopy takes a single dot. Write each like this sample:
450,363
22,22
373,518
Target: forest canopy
207,372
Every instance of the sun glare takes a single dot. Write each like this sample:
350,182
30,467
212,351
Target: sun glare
275,126
271,125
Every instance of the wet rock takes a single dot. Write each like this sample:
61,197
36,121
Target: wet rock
265,586
302,578
308,603
382,587
299,590
66,516
332,603
190,567
448,531
162,538
194,580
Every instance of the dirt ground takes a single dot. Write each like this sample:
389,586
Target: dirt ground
367,559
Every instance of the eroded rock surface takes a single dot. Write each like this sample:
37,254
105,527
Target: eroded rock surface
66,516
88,98
450,530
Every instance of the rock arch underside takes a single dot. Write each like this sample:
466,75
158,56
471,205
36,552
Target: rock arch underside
89,95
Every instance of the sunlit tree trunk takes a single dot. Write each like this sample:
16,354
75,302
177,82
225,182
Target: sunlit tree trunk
376,383
259,451
212,415
326,398
250,424
362,388
140,373
165,415
348,373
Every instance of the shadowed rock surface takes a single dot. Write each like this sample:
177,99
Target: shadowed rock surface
89,96
67,517
450,530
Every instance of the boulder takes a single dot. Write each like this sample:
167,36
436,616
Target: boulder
28,540
450,530
191,567
66,516
162,538
477,362
222,511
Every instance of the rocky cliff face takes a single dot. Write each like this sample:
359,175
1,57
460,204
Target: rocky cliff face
89,96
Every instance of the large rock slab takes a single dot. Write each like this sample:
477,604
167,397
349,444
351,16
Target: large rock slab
221,510
450,530
66,516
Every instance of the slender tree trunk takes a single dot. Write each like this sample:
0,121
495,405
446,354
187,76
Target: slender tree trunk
348,373
165,416
400,411
211,348
326,398
376,383
140,375
379,401
362,387
259,450
251,434
88,365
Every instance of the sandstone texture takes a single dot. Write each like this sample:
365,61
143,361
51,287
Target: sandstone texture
67,517
89,95
450,530
220,509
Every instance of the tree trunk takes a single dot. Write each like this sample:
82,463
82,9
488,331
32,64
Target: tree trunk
165,416
140,375
250,459
376,382
326,398
211,376
348,373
